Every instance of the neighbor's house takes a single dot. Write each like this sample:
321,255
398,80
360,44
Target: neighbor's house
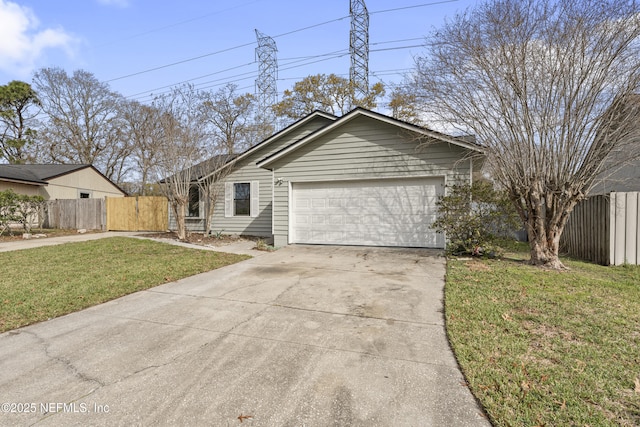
605,227
361,179
58,181
621,173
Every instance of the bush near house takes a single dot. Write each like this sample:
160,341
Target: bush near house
19,209
475,218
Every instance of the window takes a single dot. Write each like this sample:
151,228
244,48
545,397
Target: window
194,202
241,199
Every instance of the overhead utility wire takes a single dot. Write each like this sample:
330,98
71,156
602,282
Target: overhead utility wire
330,55
195,78
252,74
234,78
413,7
176,24
279,35
216,52
180,62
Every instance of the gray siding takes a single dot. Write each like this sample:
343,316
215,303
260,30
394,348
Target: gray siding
247,171
193,224
364,148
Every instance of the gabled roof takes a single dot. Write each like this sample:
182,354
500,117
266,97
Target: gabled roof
204,168
361,112
15,173
42,173
303,121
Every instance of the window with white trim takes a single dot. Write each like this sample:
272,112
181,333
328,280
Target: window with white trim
241,199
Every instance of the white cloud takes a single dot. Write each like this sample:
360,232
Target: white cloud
117,3
22,42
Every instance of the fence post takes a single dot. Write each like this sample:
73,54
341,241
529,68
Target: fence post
103,214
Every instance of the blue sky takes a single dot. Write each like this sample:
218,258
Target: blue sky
116,38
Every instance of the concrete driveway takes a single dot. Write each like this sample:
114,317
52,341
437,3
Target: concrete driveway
304,336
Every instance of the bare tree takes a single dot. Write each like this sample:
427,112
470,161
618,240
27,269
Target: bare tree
142,127
182,147
17,120
544,85
82,121
210,181
230,117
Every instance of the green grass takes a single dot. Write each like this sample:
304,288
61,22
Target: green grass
39,284
547,348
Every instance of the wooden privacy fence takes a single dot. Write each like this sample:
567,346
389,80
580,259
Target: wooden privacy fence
75,214
142,213
605,229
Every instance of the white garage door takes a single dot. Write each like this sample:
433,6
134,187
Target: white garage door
394,212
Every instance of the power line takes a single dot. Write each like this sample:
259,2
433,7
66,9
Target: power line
413,7
331,55
190,80
301,62
252,75
177,24
160,67
312,26
180,62
216,52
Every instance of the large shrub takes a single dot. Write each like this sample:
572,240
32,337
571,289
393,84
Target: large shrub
475,217
8,209
19,209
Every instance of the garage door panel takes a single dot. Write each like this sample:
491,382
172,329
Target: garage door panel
335,220
318,219
395,212
318,203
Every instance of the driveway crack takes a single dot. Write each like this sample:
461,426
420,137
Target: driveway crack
67,363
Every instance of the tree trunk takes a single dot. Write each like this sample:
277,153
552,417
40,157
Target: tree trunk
179,212
545,254
544,238
208,213
545,219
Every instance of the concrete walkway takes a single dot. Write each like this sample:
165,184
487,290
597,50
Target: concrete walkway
306,335
241,246
16,245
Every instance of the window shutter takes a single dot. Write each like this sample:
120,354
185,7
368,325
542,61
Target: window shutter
255,199
228,199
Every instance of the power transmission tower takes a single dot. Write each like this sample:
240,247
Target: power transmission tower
359,47
266,89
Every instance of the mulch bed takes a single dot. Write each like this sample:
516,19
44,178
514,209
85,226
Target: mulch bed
201,239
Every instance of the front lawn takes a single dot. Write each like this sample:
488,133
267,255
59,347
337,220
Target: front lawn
42,283
547,348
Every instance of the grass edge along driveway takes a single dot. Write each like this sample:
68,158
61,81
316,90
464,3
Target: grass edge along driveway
43,283
547,348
